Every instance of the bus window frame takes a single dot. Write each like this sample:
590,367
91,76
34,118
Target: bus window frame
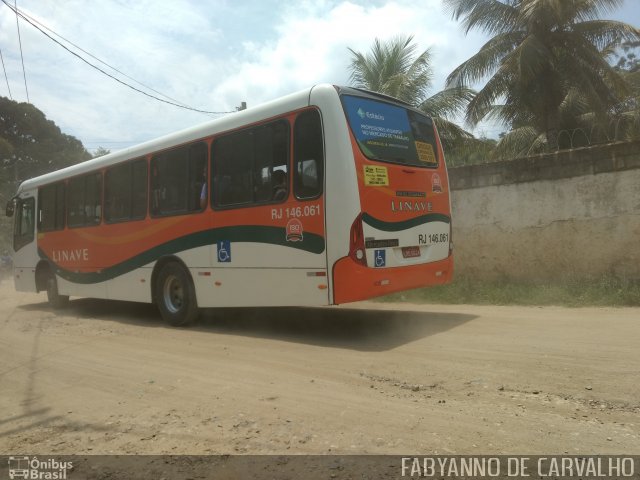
21,240
110,168
101,196
214,165
150,190
294,160
63,212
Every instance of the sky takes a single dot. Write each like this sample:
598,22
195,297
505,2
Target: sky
208,55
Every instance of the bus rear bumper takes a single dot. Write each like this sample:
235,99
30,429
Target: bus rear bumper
353,282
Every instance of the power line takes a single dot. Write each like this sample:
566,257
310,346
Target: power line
99,60
24,72
5,75
105,73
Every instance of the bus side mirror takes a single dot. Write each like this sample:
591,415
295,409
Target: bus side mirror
11,207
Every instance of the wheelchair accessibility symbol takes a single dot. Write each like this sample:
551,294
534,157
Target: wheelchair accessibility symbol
380,258
224,251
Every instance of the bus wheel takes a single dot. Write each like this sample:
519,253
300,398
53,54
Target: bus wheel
176,296
54,298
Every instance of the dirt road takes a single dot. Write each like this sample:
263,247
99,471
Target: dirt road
110,377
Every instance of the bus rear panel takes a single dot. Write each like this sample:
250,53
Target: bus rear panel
401,239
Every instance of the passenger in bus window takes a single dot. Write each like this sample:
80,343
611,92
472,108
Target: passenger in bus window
203,191
159,193
279,182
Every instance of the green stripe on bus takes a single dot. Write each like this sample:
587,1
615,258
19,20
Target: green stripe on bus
405,224
311,242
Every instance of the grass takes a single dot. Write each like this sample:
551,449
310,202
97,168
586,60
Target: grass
606,291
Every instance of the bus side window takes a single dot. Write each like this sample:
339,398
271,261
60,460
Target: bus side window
197,177
244,162
125,192
176,180
308,155
233,158
51,207
271,164
84,200
23,233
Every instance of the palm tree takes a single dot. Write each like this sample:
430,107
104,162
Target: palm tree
546,65
394,68
626,121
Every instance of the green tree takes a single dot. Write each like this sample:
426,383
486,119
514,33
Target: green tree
37,145
395,68
546,66
626,122
100,152
480,150
30,145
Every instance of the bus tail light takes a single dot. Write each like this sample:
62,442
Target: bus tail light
357,251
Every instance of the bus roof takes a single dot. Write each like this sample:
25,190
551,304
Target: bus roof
232,121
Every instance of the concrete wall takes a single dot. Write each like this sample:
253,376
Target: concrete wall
570,214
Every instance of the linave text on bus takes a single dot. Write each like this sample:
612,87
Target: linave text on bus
410,206
77,254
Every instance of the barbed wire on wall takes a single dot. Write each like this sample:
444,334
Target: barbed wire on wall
618,130
622,129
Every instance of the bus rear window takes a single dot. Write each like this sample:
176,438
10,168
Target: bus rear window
390,133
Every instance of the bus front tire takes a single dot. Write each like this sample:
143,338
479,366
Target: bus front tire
56,301
176,296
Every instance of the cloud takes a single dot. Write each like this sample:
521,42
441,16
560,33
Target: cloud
311,45
211,55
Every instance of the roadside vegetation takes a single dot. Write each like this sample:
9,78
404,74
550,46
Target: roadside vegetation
579,292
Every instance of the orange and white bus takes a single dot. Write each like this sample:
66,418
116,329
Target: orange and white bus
325,196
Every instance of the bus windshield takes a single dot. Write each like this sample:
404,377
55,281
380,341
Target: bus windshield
391,133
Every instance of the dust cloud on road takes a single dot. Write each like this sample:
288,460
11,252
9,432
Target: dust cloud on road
107,377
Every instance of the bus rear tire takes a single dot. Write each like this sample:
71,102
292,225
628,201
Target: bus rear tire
56,301
176,296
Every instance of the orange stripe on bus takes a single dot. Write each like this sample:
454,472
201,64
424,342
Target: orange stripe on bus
132,237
